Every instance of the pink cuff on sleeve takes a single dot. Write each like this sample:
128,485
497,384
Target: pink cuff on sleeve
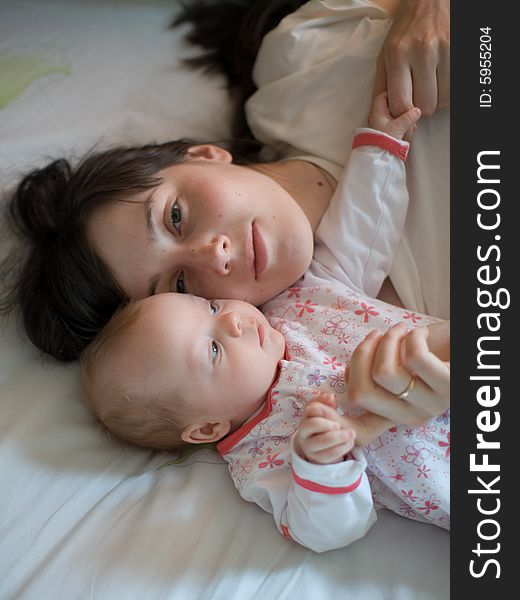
325,489
381,140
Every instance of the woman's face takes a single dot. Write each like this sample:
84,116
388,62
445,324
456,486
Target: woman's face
211,228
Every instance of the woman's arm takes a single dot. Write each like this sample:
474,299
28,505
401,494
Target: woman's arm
414,63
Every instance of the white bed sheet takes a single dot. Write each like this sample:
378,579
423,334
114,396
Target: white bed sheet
83,516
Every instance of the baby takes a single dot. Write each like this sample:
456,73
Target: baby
177,369
270,388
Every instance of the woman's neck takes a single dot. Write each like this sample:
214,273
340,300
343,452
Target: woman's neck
309,185
312,188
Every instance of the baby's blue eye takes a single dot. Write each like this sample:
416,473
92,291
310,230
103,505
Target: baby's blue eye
176,217
214,350
213,308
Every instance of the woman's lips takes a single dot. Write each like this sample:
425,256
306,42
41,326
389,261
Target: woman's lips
259,252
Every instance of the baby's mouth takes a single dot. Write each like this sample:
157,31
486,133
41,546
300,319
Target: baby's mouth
261,333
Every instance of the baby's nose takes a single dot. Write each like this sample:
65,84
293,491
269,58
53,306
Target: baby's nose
234,323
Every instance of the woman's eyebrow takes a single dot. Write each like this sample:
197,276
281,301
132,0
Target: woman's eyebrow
150,225
152,236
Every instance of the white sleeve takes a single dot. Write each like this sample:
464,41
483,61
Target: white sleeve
321,507
358,235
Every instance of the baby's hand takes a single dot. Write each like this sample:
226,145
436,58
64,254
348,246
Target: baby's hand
323,436
381,119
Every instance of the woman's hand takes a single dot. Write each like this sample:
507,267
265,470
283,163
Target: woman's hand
323,437
414,63
368,427
384,368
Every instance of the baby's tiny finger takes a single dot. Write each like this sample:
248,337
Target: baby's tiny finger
334,453
326,398
407,120
320,409
323,441
317,425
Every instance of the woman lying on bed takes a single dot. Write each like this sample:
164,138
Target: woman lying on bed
188,217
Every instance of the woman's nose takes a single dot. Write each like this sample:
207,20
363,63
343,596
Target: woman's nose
215,255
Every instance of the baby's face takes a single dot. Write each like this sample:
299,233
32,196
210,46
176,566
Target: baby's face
219,356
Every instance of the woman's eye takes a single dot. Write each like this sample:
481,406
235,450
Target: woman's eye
214,350
176,217
180,286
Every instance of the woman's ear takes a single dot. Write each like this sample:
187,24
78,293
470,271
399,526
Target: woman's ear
206,433
209,152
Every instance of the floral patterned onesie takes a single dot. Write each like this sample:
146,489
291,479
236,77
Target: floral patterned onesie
323,318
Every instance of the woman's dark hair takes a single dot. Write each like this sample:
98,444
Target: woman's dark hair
65,292
231,32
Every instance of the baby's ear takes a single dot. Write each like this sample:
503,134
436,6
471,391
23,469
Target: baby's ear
205,433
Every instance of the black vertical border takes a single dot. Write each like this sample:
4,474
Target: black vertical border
475,129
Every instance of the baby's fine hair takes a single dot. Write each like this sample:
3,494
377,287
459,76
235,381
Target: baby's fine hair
64,291
145,422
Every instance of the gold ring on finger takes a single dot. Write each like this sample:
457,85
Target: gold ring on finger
406,392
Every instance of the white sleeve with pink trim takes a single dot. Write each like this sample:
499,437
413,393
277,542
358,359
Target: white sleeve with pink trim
321,507
359,233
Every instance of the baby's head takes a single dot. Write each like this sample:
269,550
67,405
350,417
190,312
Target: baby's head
175,369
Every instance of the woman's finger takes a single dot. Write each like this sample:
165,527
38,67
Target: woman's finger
402,412
400,88
365,393
370,426
380,104
360,371
421,401
424,77
387,370
443,80
431,369
380,78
